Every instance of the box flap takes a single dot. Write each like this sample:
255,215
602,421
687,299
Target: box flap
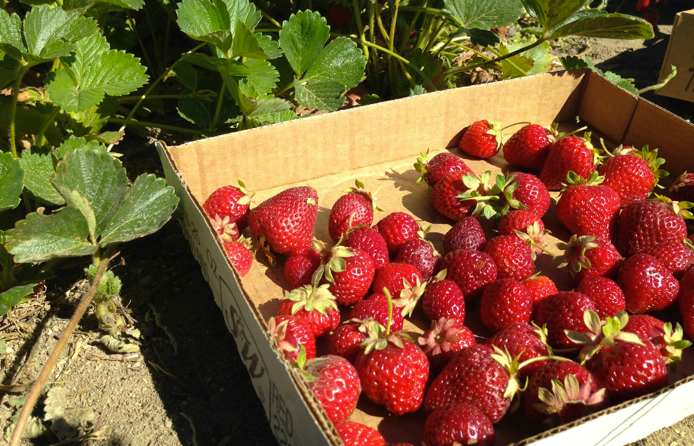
607,108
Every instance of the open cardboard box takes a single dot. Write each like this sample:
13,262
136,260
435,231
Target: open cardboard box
680,53
378,144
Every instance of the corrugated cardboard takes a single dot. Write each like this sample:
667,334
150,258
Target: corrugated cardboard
378,144
680,53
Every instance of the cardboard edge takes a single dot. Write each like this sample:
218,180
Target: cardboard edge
665,69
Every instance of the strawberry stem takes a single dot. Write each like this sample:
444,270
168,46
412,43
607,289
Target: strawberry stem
390,309
516,123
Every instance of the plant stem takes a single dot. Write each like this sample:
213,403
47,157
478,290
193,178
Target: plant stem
40,137
218,110
406,62
154,125
360,28
139,42
270,19
125,99
55,355
498,59
382,28
432,11
13,108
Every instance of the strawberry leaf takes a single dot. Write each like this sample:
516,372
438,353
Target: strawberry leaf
11,181
14,296
552,13
9,69
187,75
533,61
37,165
261,79
192,110
302,38
125,4
594,23
484,14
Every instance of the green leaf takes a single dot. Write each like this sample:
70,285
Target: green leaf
274,118
78,6
93,119
482,37
192,110
533,61
245,44
552,13
11,39
147,206
11,184
231,67
37,165
625,83
93,71
270,47
426,63
14,296
416,90
9,70
302,38
485,14
73,143
187,75
574,63
43,237
125,4
261,80
98,177
593,23
268,106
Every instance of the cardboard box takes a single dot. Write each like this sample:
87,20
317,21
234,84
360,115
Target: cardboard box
378,144
680,53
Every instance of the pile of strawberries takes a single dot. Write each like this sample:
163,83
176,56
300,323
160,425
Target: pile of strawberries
568,352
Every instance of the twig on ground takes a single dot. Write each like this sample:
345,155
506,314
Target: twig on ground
192,426
28,315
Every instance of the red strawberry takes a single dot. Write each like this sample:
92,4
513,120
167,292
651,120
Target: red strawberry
651,16
230,201
467,233
560,393
683,188
642,4
335,383
302,262
338,16
512,257
519,221
560,312
605,294
471,270
350,272
376,307
644,224
505,302
445,195
403,281
649,328
353,209
420,254
240,254
570,153
590,256
511,191
686,302
227,230
540,287
286,220
397,228
647,284
315,305
345,339
529,146
531,192
371,241
458,424
443,299
632,173
586,208
288,333
357,434
482,139
678,257
432,171
524,341
445,338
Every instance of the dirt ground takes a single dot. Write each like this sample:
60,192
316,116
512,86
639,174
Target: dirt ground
188,385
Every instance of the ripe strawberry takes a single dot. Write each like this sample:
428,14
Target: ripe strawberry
353,209
335,383
226,230
230,201
443,340
432,171
647,284
511,191
345,339
642,4
458,424
532,193
644,224
686,302
560,312
529,146
286,220
446,192
466,233
632,173
524,341
357,434
505,302
420,254
403,281
371,241
314,304
586,208
540,287
240,255
678,257
482,139
512,257
590,256
443,299
471,270
560,393
651,16
668,342
288,333
302,262
376,307
349,271
519,221
570,153
683,188
605,294
397,228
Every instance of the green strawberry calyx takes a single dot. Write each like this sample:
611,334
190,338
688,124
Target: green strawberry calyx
654,163
535,238
335,264
496,131
679,208
601,333
421,166
574,179
226,230
360,189
575,253
569,392
378,337
278,333
300,365
674,343
312,298
494,200
247,196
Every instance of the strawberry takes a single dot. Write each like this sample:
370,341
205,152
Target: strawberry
458,424
683,188
525,342
532,193
642,4
512,257
357,434
288,333
519,221
589,256
506,192
353,209
286,220
644,224
345,339
605,294
302,262
240,255
651,16
397,228
505,302
349,271
540,287
686,302
314,304
227,230
647,284
376,307
471,270
335,383
466,233
432,171
443,299
445,195
529,146
420,254
586,208
669,342
338,16
632,173
230,201
445,338
371,241
482,139
560,393
569,153
560,312
678,257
